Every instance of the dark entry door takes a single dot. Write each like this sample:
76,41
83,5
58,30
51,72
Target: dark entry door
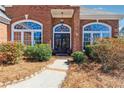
61,42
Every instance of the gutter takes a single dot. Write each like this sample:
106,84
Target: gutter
4,20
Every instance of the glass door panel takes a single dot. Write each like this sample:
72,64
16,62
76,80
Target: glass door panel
27,38
61,42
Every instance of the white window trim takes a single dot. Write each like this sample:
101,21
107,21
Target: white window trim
91,32
28,30
62,32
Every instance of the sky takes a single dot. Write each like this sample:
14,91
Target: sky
119,9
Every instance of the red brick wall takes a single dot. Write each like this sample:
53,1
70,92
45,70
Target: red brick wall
76,33
37,13
43,15
113,23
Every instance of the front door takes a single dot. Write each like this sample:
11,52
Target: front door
61,42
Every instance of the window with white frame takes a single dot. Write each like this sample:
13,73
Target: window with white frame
95,30
29,32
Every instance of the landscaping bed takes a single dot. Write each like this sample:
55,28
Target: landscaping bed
90,76
26,68
19,62
100,65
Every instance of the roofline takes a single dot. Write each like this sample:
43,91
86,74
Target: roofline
2,8
107,16
96,10
4,20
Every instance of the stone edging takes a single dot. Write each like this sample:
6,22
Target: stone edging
3,85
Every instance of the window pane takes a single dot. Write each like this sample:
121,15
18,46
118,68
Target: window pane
37,37
96,27
27,25
27,38
62,28
87,37
96,36
17,36
105,35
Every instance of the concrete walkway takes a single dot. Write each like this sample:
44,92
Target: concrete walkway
51,77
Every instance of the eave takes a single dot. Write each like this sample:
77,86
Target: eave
110,17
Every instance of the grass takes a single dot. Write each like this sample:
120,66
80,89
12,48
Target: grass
89,75
24,68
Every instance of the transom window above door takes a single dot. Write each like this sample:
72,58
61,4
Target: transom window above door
28,32
95,30
62,28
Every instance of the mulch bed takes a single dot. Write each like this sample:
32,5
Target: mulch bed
19,71
89,75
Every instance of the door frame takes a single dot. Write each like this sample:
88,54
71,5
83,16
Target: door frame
62,33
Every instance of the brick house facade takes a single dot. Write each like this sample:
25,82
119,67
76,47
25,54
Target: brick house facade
67,21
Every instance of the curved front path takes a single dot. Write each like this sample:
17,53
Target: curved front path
51,77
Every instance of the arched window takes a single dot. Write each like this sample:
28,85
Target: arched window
27,25
95,30
96,27
29,32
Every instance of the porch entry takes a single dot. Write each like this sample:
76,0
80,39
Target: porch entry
95,30
61,38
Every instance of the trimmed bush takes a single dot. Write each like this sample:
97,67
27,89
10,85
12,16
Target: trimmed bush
78,56
39,52
11,52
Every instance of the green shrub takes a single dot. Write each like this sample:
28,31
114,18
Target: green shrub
78,56
39,52
12,52
90,52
